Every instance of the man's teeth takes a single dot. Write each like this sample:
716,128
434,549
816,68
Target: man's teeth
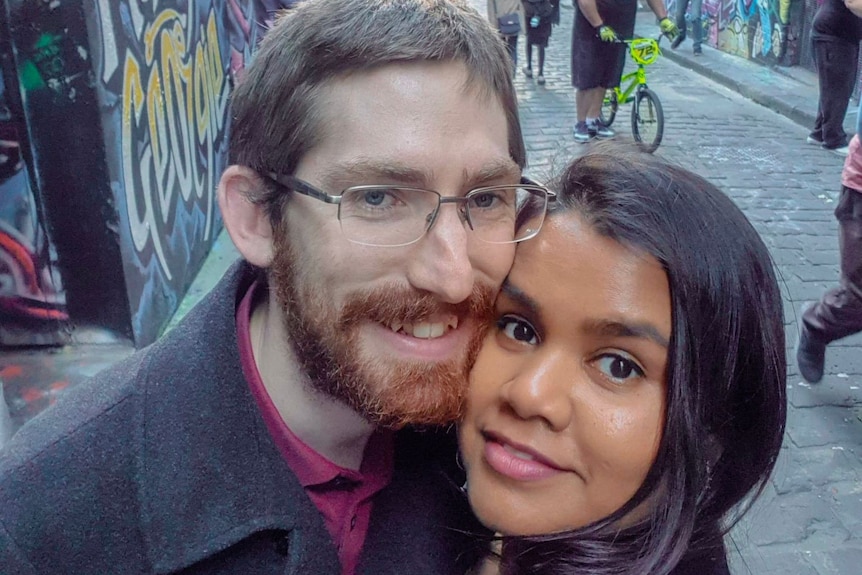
518,454
424,330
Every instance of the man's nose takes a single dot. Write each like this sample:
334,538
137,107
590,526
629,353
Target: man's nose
440,263
543,389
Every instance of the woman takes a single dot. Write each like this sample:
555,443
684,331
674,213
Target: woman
632,391
540,15
500,8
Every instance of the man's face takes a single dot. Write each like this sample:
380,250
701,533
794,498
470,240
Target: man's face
391,330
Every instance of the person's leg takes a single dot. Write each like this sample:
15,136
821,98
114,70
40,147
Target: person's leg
512,46
859,118
541,78
596,97
836,87
839,312
528,69
584,104
681,6
696,25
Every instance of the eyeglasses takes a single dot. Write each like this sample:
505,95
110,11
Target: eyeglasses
393,216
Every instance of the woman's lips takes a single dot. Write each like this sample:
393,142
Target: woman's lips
517,461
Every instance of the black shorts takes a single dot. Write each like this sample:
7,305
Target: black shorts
595,63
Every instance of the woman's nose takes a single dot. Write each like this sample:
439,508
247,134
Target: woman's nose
543,389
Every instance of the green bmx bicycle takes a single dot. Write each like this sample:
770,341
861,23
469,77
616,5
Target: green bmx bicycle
647,114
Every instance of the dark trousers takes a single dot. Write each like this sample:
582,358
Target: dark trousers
512,49
839,312
836,62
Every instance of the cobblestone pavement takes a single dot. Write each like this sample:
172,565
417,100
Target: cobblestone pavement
809,521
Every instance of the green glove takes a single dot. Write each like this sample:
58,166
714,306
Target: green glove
607,34
668,28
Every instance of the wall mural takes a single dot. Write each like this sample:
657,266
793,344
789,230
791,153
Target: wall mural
166,70
125,104
32,302
755,29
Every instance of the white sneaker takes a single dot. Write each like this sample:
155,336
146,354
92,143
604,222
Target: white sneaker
842,151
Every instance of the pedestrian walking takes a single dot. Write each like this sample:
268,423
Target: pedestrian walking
598,56
835,35
540,16
696,25
839,312
507,16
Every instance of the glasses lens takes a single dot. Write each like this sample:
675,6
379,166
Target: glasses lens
386,216
502,215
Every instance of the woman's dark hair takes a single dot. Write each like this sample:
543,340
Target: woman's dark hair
726,397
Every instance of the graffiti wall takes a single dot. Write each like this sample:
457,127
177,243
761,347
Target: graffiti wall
32,302
165,71
756,29
125,103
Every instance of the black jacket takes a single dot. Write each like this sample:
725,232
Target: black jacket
163,464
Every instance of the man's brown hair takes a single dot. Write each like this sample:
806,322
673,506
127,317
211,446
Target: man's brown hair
274,109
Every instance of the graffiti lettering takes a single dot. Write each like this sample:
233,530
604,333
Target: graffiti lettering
173,115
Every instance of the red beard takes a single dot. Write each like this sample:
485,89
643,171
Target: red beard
387,393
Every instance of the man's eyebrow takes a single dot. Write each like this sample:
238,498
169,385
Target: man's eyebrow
371,171
497,170
628,329
368,170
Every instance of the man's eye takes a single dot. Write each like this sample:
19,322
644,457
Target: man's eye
377,197
517,329
618,367
484,200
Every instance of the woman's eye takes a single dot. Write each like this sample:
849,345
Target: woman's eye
618,367
517,329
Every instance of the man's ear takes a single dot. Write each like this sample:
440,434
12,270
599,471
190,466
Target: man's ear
246,222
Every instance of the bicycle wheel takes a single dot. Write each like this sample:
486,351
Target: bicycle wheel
647,120
610,105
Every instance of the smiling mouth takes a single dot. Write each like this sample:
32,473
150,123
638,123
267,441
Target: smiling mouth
425,329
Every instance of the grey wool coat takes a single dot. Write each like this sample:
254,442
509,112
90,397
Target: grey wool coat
162,464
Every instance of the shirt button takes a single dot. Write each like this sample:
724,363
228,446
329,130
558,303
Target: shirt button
352,522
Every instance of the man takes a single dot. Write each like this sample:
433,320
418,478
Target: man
838,313
598,56
266,433
696,25
835,36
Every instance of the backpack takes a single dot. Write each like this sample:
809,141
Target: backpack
540,8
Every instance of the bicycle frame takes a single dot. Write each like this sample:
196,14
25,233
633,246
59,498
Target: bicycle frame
637,77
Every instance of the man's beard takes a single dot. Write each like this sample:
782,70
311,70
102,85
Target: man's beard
326,344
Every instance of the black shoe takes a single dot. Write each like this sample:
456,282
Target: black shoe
698,51
810,357
677,41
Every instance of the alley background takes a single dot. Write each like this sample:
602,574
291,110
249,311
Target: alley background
809,521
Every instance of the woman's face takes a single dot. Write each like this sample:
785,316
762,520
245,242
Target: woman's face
567,397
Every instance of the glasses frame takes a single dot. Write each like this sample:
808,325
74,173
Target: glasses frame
292,183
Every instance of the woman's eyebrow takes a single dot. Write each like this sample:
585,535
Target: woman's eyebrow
518,296
628,329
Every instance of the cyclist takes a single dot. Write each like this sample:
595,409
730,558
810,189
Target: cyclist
598,58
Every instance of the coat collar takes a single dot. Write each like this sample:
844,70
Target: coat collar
208,472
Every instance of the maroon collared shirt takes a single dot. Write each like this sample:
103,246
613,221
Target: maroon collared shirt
343,496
